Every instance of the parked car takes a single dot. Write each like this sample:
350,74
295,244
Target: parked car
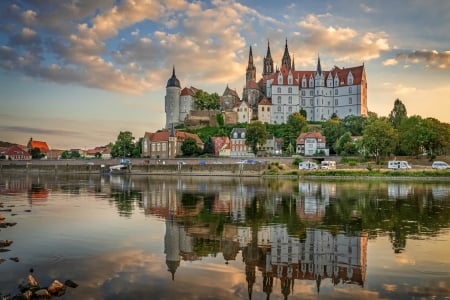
440,165
202,162
398,164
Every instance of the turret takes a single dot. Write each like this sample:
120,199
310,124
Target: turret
268,62
286,60
251,69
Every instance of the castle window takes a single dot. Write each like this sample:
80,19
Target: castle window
268,109
303,102
311,93
290,109
350,90
279,108
303,93
278,90
336,102
279,99
290,99
289,90
262,108
350,100
335,91
312,102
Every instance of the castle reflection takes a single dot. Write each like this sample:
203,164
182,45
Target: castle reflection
268,250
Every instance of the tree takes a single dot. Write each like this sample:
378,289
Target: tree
124,145
354,124
379,138
304,113
333,129
205,101
189,147
397,113
256,135
208,147
36,153
345,145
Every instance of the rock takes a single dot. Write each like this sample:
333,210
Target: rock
32,281
5,243
16,259
2,260
42,294
7,224
70,283
2,217
6,209
57,288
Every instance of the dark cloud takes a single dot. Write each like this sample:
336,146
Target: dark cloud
433,58
41,131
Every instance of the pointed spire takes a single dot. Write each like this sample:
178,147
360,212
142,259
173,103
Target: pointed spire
286,61
293,63
268,50
251,69
173,81
319,67
250,56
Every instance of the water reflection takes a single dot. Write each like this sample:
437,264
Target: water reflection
285,233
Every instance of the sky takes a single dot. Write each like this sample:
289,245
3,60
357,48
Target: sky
74,73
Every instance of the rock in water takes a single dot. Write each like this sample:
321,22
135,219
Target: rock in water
70,283
57,288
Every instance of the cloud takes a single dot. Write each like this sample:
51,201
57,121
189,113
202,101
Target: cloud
43,131
344,43
431,58
390,62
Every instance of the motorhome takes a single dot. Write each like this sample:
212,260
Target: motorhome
328,164
398,165
307,165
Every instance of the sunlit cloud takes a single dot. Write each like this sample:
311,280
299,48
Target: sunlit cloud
390,62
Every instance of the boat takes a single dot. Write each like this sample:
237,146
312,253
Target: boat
120,169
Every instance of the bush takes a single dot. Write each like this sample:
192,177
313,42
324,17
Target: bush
296,161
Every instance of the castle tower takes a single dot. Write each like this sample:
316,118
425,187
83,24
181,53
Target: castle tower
268,62
172,100
250,75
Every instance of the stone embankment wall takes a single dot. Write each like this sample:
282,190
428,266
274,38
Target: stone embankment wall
185,170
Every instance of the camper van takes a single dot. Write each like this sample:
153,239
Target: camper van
307,165
328,164
398,165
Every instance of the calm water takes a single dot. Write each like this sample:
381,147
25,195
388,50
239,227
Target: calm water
214,238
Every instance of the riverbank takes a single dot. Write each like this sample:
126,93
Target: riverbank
263,169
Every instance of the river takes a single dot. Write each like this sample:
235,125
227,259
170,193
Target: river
150,237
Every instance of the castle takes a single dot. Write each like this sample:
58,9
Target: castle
282,91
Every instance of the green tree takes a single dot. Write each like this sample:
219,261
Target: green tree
205,101
124,145
137,148
345,145
333,129
354,124
296,124
379,138
98,155
304,113
190,147
36,153
208,147
397,113
65,155
256,135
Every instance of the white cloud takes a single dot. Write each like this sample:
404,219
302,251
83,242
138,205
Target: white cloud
432,58
390,62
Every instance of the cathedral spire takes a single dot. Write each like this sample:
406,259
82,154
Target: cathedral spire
251,69
286,61
319,67
268,62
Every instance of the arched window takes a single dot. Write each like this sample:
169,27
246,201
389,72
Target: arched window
279,99
278,90
290,99
290,90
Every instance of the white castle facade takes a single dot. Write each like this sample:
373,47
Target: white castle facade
317,93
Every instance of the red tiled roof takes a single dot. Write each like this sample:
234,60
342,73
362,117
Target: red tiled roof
306,135
265,101
38,144
187,92
16,150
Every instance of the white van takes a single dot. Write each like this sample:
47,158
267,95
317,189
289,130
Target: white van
398,164
307,165
328,164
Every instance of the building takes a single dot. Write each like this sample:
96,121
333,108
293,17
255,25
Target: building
42,146
238,146
166,144
321,94
244,112
264,108
222,146
16,153
310,143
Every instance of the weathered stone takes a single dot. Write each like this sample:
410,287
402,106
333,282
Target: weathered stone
32,281
2,217
5,243
42,294
70,283
57,288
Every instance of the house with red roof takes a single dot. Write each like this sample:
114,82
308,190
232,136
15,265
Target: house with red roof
166,143
17,153
222,146
310,143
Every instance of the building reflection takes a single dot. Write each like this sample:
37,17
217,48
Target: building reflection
269,252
